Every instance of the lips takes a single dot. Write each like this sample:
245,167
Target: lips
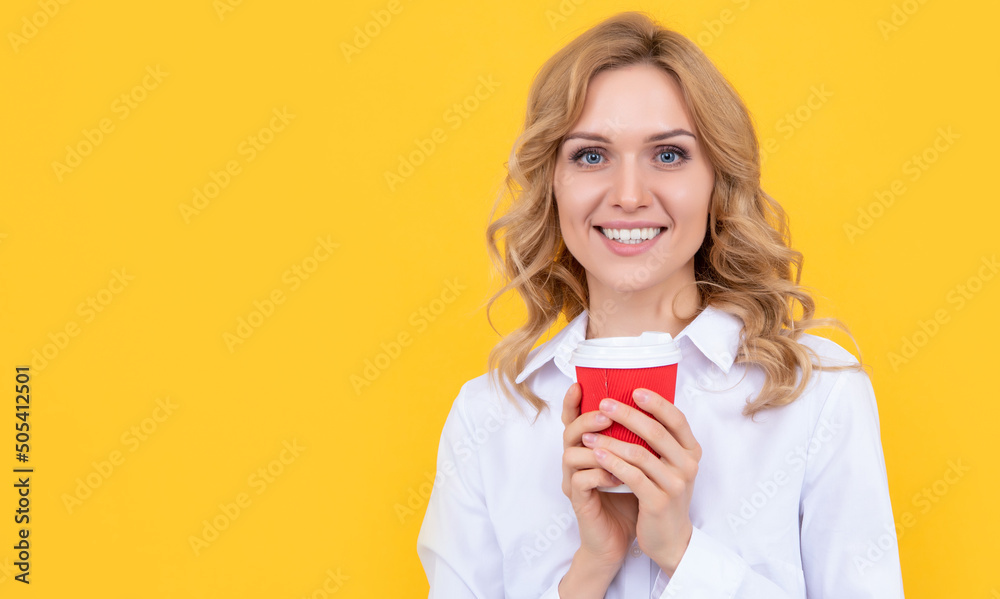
630,236
629,249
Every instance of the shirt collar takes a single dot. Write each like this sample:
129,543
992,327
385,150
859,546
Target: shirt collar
715,333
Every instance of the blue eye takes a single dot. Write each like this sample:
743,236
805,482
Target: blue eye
590,156
675,156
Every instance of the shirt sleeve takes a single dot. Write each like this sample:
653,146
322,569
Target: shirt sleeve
457,545
847,533
710,570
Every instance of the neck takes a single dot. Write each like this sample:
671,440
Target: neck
629,313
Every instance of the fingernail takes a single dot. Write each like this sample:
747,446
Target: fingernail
602,419
589,437
608,405
640,395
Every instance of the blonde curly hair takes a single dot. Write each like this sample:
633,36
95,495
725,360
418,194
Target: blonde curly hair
745,265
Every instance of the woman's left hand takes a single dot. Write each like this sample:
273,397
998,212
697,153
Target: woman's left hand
662,486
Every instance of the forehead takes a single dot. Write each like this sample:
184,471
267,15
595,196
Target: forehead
633,100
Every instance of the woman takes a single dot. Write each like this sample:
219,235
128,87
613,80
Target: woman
637,207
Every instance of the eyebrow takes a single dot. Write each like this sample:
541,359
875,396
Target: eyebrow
651,138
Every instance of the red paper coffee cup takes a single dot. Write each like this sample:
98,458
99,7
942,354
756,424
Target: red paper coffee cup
616,366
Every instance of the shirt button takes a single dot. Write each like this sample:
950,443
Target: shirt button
636,551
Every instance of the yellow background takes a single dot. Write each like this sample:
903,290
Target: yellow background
332,509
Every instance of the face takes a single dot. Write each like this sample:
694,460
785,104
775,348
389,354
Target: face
632,184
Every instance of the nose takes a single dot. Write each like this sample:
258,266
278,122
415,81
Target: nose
630,188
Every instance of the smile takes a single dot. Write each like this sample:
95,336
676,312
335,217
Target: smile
630,236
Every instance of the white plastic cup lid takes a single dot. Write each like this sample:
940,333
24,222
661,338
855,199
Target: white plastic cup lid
648,350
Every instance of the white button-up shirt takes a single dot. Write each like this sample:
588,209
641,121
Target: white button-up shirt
793,505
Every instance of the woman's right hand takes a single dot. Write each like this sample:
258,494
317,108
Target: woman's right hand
606,520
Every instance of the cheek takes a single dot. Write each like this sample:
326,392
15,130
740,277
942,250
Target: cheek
689,202
564,213
572,201
565,191
560,176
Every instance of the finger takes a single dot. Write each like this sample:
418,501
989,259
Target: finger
585,481
645,425
670,416
579,458
589,422
645,490
571,404
576,459
651,430
663,475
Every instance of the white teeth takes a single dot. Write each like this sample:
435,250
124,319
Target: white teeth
631,236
